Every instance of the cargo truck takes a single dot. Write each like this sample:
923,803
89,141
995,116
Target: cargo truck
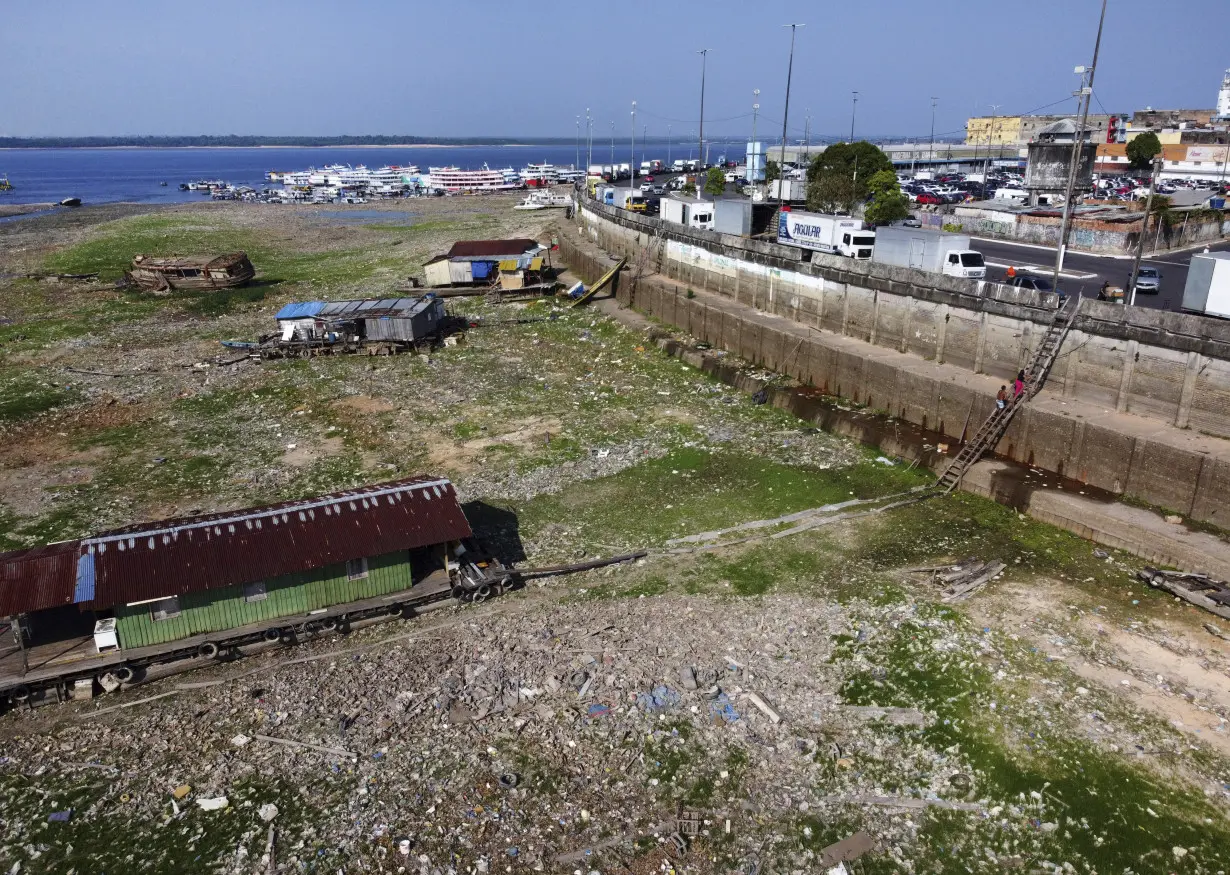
924,249
630,199
788,189
687,211
839,235
1208,285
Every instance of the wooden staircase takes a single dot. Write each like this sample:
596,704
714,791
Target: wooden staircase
996,424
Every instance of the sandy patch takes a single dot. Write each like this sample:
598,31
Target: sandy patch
1172,668
363,404
304,455
460,457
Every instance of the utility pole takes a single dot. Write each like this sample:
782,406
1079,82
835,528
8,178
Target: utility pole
612,151
755,152
577,166
668,147
1144,230
700,143
931,154
644,140
1086,94
781,168
853,110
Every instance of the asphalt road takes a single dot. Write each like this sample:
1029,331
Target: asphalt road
1085,273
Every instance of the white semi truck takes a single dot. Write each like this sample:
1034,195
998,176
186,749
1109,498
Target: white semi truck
687,211
839,235
925,249
1208,285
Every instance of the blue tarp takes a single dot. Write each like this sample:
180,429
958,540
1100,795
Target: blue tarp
480,270
84,591
300,310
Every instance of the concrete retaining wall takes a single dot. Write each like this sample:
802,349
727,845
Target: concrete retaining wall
1163,366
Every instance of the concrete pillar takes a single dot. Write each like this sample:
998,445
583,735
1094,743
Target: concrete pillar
1074,341
907,324
845,309
981,345
875,316
1195,361
820,315
738,277
1023,355
941,333
1125,377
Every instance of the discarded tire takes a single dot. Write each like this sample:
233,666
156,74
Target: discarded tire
272,634
125,674
482,593
509,780
287,636
208,650
459,592
21,694
329,625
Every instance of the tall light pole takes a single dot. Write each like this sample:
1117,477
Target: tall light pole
1144,230
700,142
632,164
612,151
1078,142
853,110
986,171
577,166
668,147
755,152
931,153
781,169
644,139
589,140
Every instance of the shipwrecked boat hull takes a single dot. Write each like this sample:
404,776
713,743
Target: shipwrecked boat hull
191,274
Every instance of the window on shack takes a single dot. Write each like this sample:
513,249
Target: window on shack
164,609
191,271
255,592
356,569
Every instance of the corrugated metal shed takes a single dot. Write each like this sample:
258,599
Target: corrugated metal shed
368,309
168,558
302,310
38,578
492,250
459,272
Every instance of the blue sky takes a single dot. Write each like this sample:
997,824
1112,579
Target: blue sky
506,67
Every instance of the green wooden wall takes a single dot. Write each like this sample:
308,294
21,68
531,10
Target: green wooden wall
217,610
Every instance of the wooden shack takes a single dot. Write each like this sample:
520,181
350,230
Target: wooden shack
192,273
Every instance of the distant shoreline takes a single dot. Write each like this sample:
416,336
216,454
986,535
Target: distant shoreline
365,146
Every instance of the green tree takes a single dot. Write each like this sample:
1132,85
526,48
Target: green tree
1141,150
715,181
838,177
772,171
689,188
887,203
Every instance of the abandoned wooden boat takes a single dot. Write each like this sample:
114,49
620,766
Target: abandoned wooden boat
196,273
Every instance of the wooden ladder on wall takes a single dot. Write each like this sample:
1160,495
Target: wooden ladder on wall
996,424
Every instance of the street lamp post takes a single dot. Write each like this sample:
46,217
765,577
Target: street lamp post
589,140
1144,228
700,142
986,170
931,152
577,166
612,151
781,170
632,163
853,110
668,147
644,139
755,152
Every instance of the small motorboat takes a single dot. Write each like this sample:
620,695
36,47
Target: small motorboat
71,202
162,184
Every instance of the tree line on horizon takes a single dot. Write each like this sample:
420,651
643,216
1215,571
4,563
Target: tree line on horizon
236,140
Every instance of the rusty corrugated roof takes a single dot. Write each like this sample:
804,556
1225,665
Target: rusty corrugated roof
168,558
38,578
492,248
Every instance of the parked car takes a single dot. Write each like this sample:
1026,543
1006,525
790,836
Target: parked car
1148,281
1037,284
928,197
658,188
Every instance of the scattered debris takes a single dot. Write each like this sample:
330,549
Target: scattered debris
215,803
303,744
1198,589
764,706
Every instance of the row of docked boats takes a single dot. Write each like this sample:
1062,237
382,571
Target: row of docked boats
344,183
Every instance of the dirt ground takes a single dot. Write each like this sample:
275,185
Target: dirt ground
736,703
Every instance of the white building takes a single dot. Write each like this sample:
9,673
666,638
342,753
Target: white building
1223,97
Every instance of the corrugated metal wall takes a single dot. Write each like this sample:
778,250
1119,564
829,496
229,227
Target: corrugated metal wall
219,610
437,273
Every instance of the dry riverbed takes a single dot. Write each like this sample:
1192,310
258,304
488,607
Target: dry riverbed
739,709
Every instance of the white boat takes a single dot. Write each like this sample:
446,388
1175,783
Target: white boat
454,179
543,200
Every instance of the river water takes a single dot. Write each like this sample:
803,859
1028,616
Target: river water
108,175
